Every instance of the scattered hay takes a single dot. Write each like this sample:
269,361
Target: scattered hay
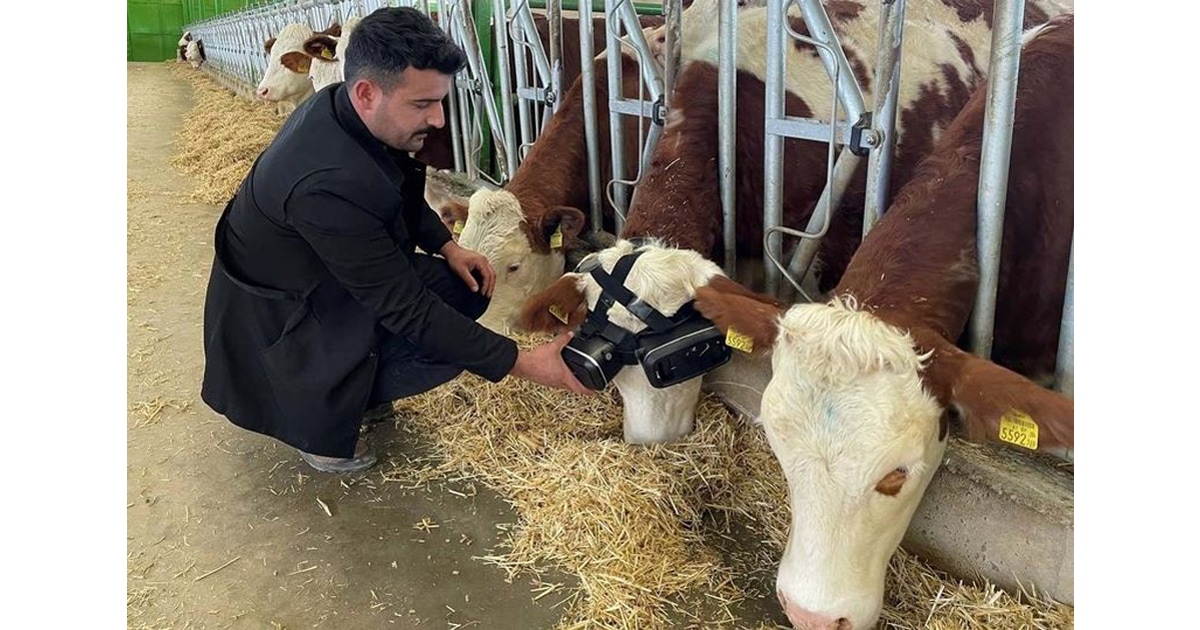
150,411
651,531
221,137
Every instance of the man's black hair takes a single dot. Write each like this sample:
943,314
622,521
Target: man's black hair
391,39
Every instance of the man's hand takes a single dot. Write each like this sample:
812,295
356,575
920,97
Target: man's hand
463,261
544,365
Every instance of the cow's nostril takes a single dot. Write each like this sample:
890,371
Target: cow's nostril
843,624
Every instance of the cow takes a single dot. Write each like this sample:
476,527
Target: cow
516,228
946,47
286,80
195,53
182,45
864,387
328,55
941,65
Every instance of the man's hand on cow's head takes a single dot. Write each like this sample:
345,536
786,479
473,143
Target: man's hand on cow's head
463,261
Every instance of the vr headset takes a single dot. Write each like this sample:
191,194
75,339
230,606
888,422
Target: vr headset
670,350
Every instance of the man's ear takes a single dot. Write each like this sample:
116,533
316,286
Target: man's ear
559,307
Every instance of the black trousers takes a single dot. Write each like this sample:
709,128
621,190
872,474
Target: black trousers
406,370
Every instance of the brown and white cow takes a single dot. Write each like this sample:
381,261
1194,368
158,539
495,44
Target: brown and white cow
328,55
286,80
946,47
182,45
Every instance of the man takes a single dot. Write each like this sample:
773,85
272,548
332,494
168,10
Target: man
318,307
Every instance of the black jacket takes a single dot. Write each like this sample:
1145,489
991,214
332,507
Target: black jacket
311,267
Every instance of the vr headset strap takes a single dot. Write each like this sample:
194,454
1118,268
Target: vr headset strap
614,285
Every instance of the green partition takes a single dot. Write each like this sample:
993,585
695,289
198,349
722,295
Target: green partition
155,26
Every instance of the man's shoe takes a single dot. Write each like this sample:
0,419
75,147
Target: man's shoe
362,460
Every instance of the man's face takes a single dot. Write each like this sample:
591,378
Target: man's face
403,118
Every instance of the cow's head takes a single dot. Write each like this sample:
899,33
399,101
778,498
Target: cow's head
697,23
524,247
286,78
663,277
195,53
857,413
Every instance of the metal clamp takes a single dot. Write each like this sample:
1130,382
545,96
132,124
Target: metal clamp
862,137
658,112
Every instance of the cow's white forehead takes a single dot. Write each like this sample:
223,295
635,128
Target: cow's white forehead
290,38
664,277
846,390
493,224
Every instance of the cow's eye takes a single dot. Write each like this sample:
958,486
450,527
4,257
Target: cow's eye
892,482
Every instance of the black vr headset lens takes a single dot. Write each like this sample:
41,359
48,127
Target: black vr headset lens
670,351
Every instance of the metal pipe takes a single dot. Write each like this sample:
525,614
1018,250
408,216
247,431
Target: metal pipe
457,132
993,165
673,9
773,145
833,58
554,19
619,198
517,33
535,45
883,118
651,75
1064,372
506,92
822,217
591,133
727,140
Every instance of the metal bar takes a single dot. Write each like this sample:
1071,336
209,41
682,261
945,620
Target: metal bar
993,167
1064,372
808,129
506,91
591,132
883,118
773,145
620,197
651,75
632,107
516,32
457,130
822,217
554,20
673,9
727,141
833,58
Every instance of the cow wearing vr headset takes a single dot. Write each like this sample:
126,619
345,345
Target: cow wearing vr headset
864,386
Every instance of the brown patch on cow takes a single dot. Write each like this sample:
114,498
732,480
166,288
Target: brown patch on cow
965,53
892,482
917,268
843,10
334,30
565,298
730,287
269,44
554,174
679,199
750,316
320,46
296,61
970,10
183,52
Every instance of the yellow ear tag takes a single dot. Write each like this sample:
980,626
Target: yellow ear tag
1018,428
738,341
326,53
556,239
558,313
458,227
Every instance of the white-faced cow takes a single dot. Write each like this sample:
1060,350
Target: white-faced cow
328,53
864,387
286,80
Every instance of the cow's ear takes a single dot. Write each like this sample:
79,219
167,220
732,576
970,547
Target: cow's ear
334,29
560,226
296,61
749,320
994,403
321,46
559,307
268,44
